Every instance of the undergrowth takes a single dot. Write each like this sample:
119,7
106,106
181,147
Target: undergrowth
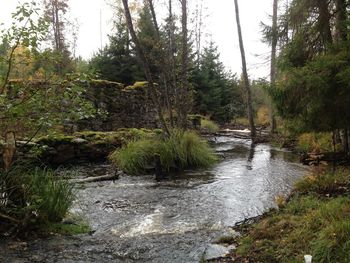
33,197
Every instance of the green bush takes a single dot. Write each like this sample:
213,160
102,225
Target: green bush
180,151
209,125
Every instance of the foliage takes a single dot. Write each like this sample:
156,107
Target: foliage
50,197
181,150
308,224
35,195
313,88
324,183
33,102
209,125
315,142
216,91
136,156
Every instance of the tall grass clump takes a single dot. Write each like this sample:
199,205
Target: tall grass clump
136,156
51,198
34,196
181,150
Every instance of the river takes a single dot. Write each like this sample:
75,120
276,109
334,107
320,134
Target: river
136,219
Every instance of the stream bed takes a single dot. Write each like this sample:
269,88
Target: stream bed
136,219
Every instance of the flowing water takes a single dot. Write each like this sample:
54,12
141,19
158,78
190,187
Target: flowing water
136,219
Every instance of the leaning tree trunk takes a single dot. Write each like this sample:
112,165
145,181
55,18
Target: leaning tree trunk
146,67
273,61
245,76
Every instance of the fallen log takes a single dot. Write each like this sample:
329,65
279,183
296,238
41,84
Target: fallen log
328,157
9,218
107,177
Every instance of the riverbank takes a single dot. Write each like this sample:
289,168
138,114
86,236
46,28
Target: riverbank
137,219
315,221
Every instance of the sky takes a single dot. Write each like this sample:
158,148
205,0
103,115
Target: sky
220,26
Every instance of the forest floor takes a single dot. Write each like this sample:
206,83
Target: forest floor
313,220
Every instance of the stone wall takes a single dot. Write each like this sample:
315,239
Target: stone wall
126,107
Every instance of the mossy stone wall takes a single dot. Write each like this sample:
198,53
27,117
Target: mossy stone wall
125,107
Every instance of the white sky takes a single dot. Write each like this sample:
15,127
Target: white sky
220,24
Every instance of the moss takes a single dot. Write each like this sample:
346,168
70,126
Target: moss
54,139
137,85
106,82
73,225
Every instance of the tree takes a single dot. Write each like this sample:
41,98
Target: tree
117,61
313,90
55,10
216,91
273,72
245,75
33,102
146,66
183,100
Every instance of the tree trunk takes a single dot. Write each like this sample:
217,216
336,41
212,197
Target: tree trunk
245,76
344,140
341,20
184,102
9,149
324,22
164,66
146,67
273,61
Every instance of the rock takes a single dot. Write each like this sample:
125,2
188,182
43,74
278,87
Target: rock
214,251
79,140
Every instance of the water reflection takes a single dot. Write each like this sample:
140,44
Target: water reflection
251,156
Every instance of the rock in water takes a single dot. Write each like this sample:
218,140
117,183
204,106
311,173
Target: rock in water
214,251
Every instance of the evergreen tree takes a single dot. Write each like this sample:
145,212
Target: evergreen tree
117,61
314,90
217,92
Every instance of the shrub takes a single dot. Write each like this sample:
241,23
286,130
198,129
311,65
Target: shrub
263,117
180,151
209,125
315,142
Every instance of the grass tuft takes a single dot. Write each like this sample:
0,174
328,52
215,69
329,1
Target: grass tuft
181,150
